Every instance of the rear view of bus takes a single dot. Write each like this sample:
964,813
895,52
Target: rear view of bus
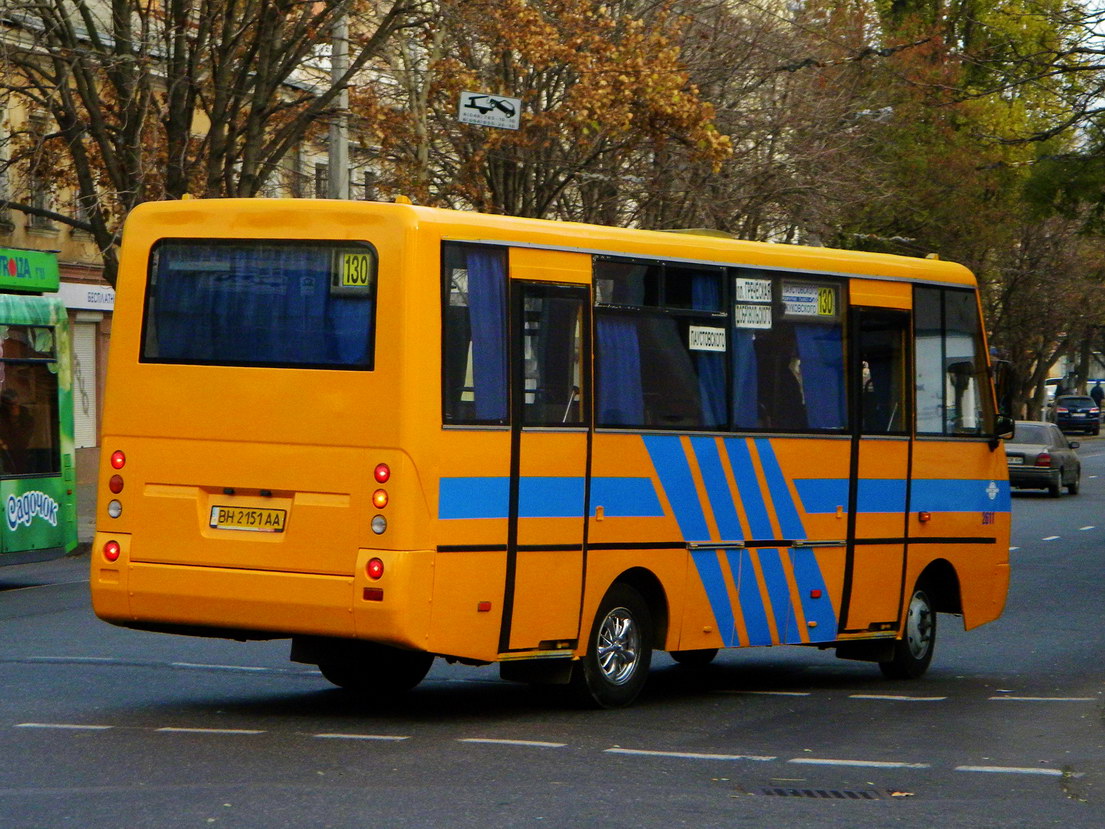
249,431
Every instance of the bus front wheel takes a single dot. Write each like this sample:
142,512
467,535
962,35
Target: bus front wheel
615,666
913,652
375,670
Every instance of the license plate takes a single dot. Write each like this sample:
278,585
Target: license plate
1078,414
247,518
1015,461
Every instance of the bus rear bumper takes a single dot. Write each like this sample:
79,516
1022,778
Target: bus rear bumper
263,604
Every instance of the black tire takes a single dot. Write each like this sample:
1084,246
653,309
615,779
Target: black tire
913,652
1076,484
376,671
1055,485
696,658
619,651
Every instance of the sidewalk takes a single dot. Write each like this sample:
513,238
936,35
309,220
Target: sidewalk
88,462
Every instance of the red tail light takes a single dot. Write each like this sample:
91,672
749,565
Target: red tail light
118,459
382,473
1043,459
374,569
111,550
115,484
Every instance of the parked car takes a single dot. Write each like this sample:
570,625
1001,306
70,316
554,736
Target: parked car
1041,457
1076,413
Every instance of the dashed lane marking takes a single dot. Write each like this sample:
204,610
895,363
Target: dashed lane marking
869,764
503,742
176,730
896,698
1018,770
689,755
1051,538
1090,527
1046,699
678,755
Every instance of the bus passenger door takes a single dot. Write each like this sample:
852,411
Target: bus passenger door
879,489
550,413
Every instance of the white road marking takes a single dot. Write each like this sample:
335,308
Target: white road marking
1016,770
1083,529
174,730
494,741
64,725
769,693
872,764
1013,549
895,698
687,755
1051,538
382,737
203,666
1048,699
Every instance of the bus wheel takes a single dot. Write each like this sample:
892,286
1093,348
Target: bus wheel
695,658
375,670
619,651
913,652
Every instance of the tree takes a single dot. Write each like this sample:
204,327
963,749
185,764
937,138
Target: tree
147,100
600,83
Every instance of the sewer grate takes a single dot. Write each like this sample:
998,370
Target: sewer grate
827,794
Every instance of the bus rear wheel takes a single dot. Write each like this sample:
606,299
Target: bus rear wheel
373,670
619,651
913,652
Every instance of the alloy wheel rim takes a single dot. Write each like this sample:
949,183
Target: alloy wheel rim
919,626
619,646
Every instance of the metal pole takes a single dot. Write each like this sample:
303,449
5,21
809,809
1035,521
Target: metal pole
339,131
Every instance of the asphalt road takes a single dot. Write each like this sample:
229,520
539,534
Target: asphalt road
106,727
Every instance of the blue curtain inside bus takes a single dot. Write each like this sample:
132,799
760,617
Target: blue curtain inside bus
745,379
487,316
821,350
621,398
257,304
710,365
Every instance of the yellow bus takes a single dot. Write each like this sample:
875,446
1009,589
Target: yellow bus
390,433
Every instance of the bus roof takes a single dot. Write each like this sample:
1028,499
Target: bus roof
324,218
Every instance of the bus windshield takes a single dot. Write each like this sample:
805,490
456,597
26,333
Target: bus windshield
261,303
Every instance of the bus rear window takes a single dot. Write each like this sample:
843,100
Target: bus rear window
261,303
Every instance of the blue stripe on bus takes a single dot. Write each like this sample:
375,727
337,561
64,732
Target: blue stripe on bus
748,488
807,576
626,497
790,525
960,496
824,495
474,498
675,476
778,591
713,579
717,489
748,594
546,497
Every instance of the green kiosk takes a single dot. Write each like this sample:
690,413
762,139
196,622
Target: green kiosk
37,471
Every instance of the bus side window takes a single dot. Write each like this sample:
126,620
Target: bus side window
474,341
951,379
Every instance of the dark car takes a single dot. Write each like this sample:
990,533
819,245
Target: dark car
1076,413
1041,457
